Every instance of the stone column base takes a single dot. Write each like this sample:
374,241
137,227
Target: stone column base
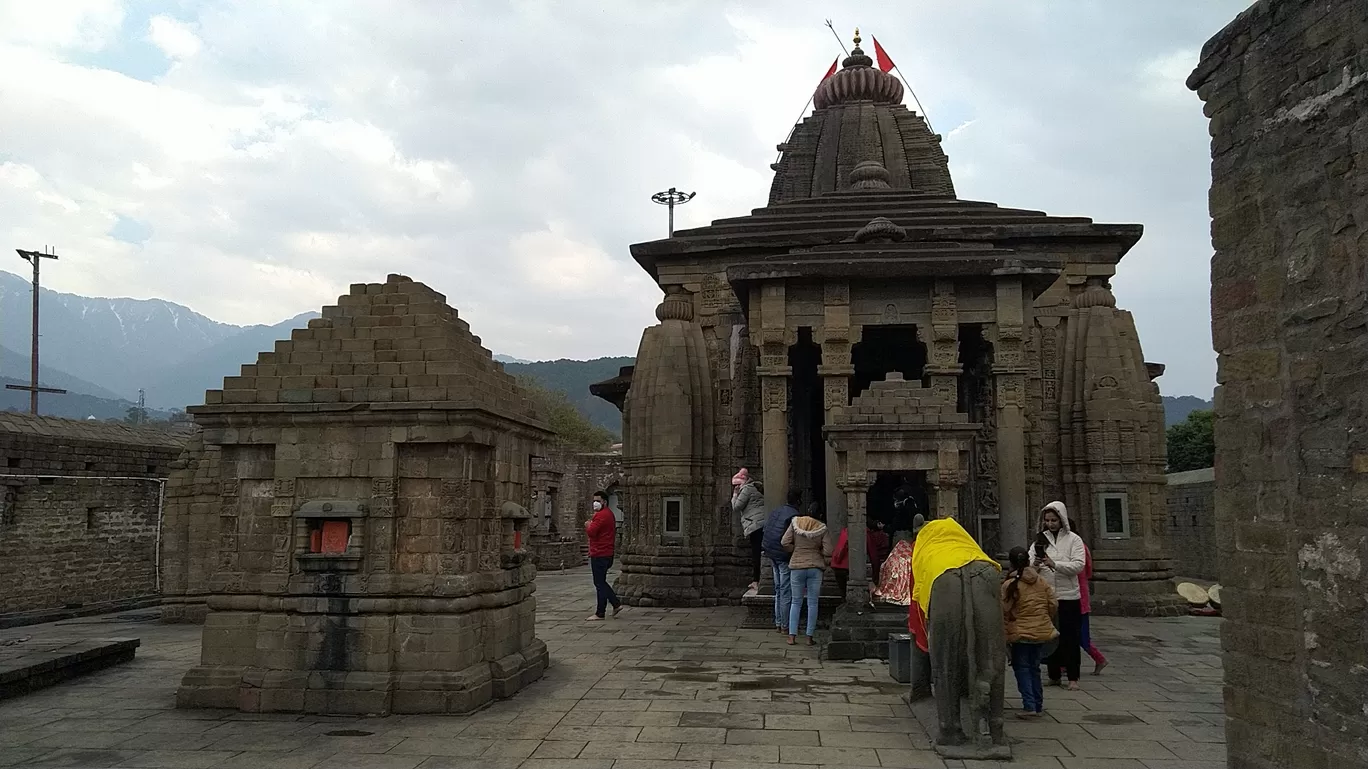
1135,588
332,692
667,580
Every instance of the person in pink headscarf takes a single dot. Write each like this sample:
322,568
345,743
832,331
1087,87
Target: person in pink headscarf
748,503
1085,635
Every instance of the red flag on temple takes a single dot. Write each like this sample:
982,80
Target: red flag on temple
881,56
832,70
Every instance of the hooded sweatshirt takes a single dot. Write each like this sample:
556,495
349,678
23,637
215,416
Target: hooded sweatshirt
1066,550
806,539
1029,614
749,503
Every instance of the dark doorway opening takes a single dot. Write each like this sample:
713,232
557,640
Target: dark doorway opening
885,349
879,501
807,416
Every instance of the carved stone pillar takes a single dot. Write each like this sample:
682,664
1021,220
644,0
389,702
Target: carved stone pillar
855,487
949,481
853,481
942,342
1009,371
835,371
773,338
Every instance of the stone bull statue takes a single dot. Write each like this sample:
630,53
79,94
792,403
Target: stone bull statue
958,587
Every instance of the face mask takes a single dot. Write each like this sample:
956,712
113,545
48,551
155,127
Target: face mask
598,506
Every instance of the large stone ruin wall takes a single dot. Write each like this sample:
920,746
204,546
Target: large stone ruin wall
1286,88
78,522
1192,524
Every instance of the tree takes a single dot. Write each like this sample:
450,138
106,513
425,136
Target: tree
1192,443
570,426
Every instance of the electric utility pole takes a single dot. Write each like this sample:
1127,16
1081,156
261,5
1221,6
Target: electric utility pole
35,258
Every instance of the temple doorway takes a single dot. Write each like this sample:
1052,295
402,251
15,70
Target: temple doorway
883,350
879,500
807,416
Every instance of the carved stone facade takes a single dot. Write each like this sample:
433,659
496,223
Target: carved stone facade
865,268
352,518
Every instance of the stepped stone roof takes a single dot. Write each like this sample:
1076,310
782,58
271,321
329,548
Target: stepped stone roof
925,219
383,346
14,423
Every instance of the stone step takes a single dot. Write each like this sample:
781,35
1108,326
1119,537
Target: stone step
27,665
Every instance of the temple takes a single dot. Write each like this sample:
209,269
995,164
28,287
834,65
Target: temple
868,331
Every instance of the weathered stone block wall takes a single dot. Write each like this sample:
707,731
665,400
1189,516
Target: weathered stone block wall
87,537
1286,88
1192,523
585,473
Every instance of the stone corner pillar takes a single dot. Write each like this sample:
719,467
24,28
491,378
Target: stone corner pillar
1009,373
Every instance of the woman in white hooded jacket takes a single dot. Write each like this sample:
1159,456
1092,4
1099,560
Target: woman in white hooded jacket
1060,558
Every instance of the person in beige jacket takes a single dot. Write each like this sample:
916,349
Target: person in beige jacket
807,540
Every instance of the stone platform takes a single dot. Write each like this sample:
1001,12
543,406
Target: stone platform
863,635
760,610
28,664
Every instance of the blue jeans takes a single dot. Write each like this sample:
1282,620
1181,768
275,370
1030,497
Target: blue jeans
781,593
809,582
598,566
1026,665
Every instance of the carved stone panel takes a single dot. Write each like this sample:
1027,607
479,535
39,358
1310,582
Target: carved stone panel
774,393
835,392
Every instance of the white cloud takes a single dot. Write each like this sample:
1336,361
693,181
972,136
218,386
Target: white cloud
175,39
66,24
506,154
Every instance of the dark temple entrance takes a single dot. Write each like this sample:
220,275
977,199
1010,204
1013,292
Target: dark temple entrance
885,349
807,453
879,501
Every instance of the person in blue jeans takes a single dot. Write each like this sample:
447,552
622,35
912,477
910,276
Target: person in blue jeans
1028,608
776,524
806,539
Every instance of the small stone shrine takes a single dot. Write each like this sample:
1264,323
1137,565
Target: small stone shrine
869,331
352,518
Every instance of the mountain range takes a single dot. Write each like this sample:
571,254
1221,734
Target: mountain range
104,351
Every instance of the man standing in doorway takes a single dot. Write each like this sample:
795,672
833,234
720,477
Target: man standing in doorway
772,544
601,531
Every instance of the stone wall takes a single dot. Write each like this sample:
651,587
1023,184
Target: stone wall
1286,88
78,522
1192,523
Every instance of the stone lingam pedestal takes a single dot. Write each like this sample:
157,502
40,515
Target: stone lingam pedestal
351,518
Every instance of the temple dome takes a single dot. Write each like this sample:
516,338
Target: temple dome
858,117
858,81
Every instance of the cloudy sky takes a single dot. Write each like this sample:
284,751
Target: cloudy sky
250,160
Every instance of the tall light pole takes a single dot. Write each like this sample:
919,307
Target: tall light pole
36,258
672,197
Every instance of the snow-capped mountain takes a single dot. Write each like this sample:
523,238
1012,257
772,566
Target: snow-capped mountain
123,344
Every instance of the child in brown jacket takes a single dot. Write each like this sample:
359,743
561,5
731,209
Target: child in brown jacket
1029,606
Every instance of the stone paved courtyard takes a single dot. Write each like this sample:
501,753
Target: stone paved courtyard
671,688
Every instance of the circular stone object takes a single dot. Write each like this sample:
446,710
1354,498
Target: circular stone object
1193,594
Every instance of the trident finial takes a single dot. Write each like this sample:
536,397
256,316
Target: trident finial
857,37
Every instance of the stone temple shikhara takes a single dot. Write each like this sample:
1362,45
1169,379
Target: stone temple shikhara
868,330
350,522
